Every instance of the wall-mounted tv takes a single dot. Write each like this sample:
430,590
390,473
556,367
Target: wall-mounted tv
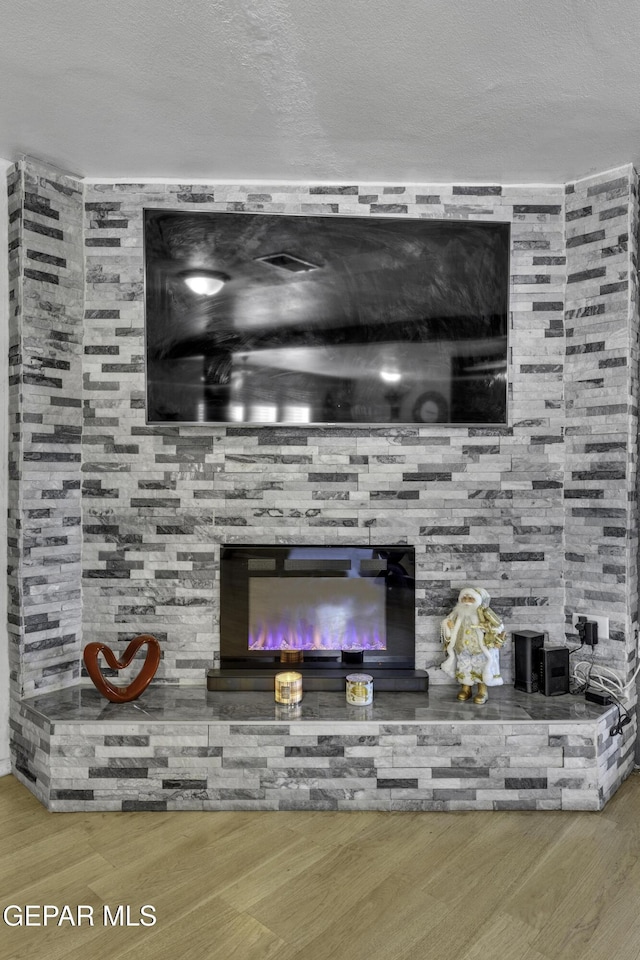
259,318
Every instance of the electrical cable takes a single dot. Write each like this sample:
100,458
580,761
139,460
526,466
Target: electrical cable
604,679
583,681
608,682
576,691
618,727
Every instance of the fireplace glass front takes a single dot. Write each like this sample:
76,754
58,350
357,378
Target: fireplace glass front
317,613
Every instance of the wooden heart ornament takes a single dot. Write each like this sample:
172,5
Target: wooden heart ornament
122,694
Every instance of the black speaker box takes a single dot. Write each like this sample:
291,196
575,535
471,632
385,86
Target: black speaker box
553,669
527,645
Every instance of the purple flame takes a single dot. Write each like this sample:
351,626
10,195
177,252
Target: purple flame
304,636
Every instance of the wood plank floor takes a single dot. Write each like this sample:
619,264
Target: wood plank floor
315,886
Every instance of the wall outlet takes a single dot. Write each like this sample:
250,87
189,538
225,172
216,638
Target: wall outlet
603,623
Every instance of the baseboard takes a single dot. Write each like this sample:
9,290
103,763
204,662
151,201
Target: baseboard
5,767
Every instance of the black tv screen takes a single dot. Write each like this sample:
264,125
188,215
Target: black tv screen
289,319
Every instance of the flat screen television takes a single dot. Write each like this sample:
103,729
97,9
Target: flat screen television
259,318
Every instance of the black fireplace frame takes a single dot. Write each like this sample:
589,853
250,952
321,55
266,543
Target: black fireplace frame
394,564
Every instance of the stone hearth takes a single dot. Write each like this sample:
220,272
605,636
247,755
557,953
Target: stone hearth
185,749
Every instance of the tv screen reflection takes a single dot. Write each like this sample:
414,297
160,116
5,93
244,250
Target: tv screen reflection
258,318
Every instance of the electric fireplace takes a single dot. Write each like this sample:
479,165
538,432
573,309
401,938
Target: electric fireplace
322,608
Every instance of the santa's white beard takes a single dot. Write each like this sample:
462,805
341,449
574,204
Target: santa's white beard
467,612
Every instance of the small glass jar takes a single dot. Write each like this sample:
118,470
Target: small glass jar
359,689
288,687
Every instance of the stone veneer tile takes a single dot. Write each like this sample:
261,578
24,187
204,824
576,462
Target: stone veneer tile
46,277
314,771
235,500
599,408
533,510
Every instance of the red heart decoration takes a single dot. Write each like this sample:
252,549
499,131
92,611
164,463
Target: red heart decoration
141,682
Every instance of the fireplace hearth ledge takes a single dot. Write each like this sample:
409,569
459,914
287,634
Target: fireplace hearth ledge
183,748
331,678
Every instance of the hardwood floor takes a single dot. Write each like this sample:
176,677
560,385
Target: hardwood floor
314,886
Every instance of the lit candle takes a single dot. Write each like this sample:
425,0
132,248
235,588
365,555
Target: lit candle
288,687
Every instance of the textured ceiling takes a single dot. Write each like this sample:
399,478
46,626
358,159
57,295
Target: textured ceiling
330,90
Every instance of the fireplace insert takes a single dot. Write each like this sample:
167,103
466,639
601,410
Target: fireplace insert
320,610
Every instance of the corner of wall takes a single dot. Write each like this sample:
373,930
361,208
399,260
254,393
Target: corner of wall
601,399
45,356
5,764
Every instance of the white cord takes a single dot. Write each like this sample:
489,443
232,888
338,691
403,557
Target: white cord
603,678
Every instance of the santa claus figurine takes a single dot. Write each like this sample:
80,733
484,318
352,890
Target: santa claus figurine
472,635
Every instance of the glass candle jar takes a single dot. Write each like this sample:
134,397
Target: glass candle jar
359,689
288,687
